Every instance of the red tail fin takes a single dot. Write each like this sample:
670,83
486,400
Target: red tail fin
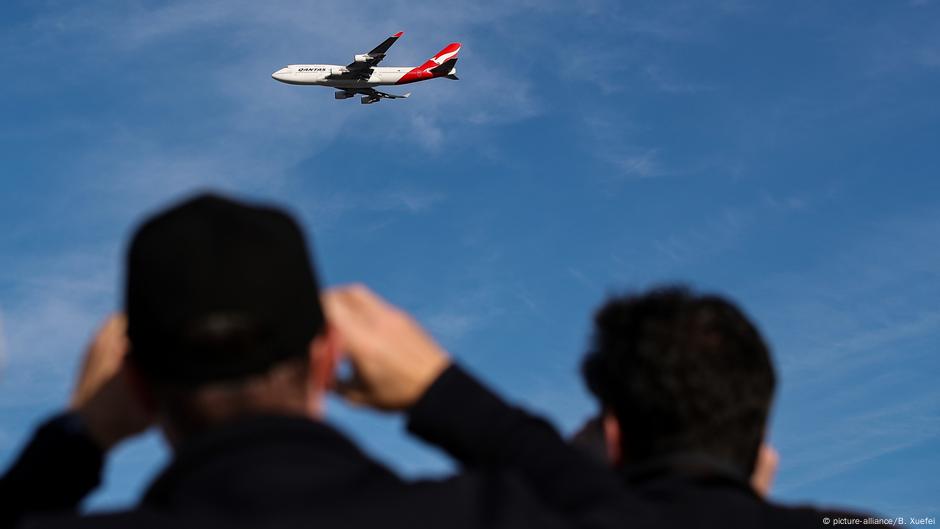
449,52
433,66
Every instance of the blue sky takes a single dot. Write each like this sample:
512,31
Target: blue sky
782,153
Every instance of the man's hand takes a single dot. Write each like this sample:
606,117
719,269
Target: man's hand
102,397
394,360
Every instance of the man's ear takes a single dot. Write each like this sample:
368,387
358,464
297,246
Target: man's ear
613,436
765,469
324,358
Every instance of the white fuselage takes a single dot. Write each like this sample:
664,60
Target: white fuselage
319,74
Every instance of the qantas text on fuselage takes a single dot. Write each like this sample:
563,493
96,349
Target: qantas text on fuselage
363,74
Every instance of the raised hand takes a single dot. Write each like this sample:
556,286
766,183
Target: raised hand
102,395
394,359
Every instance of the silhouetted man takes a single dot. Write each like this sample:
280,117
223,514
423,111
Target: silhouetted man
685,384
231,356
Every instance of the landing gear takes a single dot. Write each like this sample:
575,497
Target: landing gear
369,95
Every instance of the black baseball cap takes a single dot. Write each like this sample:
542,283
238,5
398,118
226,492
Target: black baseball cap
218,289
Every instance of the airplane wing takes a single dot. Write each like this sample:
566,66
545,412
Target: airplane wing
379,51
362,66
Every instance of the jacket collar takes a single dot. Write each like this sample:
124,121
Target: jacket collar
261,447
690,466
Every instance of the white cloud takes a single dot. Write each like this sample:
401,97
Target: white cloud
412,201
585,280
930,56
668,82
455,313
610,140
868,343
427,130
641,165
644,35
848,442
450,326
785,202
57,304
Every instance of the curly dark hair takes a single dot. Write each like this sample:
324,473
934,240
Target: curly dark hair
682,373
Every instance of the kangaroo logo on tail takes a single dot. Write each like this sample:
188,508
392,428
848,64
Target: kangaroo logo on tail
448,55
448,52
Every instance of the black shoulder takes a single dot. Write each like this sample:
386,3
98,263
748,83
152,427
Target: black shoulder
137,519
808,516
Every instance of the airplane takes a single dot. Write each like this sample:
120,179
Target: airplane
364,73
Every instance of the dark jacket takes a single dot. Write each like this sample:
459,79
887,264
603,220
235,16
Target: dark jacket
59,467
692,492
275,471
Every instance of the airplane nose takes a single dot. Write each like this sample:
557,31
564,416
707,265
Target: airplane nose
279,75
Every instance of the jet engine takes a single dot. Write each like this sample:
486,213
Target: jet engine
365,57
343,95
368,100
